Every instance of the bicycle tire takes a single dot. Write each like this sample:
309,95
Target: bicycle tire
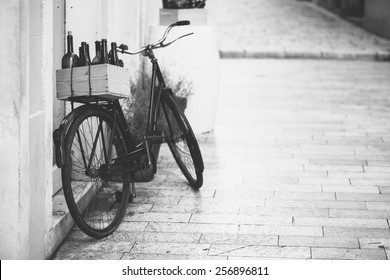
91,198
182,141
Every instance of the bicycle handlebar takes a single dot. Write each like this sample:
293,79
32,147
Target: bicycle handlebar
159,43
183,22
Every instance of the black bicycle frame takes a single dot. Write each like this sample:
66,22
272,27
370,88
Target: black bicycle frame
156,92
155,97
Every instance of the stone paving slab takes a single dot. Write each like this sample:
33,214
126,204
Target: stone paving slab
360,232
90,255
290,29
374,243
260,251
154,237
171,248
136,256
240,239
364,214
314,241
348,254
281,168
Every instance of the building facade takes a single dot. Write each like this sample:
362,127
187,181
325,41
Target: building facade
33,35
373,15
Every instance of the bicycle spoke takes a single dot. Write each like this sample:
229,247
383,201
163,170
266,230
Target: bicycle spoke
85,137
95,141
182,142
81,148
104,152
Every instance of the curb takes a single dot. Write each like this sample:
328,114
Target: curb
61,226
335,55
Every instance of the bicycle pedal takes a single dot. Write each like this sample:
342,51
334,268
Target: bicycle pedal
157,138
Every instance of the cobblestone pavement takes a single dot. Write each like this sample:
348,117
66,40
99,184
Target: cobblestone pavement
298,167
289,28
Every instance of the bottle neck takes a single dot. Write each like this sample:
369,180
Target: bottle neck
114,54
70,44
97,48
104,54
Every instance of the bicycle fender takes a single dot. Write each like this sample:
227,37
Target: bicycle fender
59,134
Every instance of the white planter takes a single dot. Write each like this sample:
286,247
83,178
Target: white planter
196,16
195,58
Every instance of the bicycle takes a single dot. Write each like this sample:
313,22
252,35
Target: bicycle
99,158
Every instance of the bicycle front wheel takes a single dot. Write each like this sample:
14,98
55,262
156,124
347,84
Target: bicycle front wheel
96,200
182,142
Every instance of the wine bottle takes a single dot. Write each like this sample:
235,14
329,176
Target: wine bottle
200,4
69,58
81,57
104,54
165,4
84,59
96,59
109,57
87,58
113,56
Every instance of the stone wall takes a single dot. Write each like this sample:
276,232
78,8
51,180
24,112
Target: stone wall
26,121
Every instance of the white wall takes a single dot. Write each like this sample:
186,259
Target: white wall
114,20
26,122
29,111
13,91
58,107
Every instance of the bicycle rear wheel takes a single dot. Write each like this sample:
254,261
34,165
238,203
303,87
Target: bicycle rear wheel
96,201
182,142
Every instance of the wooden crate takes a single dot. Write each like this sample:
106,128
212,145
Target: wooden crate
195,16
108,81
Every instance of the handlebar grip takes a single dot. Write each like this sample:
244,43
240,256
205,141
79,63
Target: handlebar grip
183,22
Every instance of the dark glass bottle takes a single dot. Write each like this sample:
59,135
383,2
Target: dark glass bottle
165,4
69,58
87,57
81,57
109,57
113,56
96,59
104,52
84,59
200,4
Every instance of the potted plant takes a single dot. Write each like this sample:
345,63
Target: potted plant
136,110
183,4
176,10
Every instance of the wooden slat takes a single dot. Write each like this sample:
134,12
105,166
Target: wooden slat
107,81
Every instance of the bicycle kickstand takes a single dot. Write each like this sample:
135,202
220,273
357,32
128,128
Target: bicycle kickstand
132,193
